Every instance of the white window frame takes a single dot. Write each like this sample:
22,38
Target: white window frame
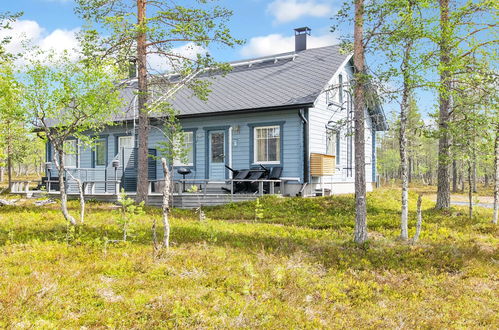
74,147
177,162
128,137
255,146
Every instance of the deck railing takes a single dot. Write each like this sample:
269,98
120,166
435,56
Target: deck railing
179,186
264,186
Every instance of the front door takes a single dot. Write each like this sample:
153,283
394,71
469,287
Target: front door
216,155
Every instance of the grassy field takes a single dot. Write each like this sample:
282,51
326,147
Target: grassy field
295,267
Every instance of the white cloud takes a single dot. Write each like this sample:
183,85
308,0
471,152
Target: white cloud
277,43
31,34
159,63
290,10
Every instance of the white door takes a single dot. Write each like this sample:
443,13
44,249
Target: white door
216,155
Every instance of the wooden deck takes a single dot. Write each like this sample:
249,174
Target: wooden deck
184,200
209,193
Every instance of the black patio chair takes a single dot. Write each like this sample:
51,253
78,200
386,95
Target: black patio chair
237,175
253,185
275,174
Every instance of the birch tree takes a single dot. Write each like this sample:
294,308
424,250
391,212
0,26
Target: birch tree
399,41
66,99
143,30
496,174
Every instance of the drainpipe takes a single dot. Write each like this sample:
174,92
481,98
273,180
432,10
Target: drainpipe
303,113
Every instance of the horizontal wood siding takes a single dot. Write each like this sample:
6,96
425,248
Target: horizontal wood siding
319,116
239,148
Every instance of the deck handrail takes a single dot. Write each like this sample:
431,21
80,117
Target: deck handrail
205,182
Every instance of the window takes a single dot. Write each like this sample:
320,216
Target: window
70,153
125,142
100,152
217,146
184,150
267,144
333,144
340,89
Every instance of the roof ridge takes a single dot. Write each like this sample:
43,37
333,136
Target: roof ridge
269,57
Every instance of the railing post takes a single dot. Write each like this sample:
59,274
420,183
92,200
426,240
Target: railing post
271,187
260,188
232,186
26,189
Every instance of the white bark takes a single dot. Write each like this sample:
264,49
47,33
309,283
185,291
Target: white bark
166,204
470,188
404,164
82,197
496,178
419,219
62,188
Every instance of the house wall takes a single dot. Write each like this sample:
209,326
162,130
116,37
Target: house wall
240,148
238,127
319,116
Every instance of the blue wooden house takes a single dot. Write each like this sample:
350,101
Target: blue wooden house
291,110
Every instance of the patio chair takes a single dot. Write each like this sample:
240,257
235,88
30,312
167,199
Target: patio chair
238,185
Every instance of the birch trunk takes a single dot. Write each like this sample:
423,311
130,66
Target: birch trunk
404,109
143,134
496,177
360,231
470,188
166,204
419,219
82,197
62,188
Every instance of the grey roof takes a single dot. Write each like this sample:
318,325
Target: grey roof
281,80
289,79
270,83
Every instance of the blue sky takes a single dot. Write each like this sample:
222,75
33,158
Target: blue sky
266,25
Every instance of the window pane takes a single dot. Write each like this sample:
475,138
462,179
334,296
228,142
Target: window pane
125,142
184,151
267,144
70,153
217,147
331,143
100,153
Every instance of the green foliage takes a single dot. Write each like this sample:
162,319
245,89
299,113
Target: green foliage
129,212
282,272
65,99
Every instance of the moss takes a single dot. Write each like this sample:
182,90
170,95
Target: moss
295,267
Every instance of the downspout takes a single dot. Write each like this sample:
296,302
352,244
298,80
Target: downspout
303,113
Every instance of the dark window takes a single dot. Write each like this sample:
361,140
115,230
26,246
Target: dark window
217,147
100,152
